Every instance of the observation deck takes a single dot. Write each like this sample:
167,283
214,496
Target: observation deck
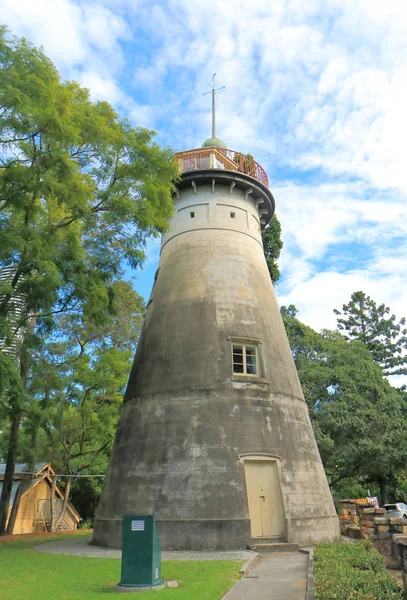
221,158
210,165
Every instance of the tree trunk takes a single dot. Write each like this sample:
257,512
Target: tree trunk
10,468
52,502
22,488
16,416
64,503
382,481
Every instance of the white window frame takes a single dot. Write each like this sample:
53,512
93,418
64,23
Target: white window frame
244,345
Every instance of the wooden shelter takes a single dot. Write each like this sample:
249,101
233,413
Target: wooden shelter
34,513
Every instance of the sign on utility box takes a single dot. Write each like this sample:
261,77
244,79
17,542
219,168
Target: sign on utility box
141,553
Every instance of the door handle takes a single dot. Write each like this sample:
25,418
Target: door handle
262,497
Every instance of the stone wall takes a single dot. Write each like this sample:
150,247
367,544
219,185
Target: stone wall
359,521
401,543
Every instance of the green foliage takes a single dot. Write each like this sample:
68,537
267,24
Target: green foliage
78,380
358,418
80,192
85,494
75,391
288,312
88,524
83,578
80,189
400,488
272,244
347,571
245,163
358,487
271,234
375,327
10,380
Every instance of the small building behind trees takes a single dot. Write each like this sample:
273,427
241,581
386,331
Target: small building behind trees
34,513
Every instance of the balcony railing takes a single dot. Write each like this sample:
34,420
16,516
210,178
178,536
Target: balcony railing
220,158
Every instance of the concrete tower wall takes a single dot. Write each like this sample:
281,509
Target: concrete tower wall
188,423
231,211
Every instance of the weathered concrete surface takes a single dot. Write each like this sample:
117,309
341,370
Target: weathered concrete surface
274,577
187,422
274,547
84,547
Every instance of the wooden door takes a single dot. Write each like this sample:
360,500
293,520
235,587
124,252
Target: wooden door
264,498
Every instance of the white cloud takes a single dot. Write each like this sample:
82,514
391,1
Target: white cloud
102,27
320,269
319,295
54,25
309,85
101,88
83,39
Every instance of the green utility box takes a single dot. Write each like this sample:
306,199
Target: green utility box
141,554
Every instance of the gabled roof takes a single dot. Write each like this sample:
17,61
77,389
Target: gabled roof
42,471
20,469
13,489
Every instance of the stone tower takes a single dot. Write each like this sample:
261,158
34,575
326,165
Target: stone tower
214,437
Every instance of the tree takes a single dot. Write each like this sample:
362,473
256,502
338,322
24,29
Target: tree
377,329
245,163
288,313
271,234
359,419
76,385
272,244
80,192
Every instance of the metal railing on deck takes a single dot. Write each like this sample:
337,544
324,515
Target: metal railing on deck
220,158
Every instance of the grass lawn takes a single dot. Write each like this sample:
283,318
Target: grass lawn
29,575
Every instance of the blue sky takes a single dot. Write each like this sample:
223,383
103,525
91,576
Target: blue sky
315,90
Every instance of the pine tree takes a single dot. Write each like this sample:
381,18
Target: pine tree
378,329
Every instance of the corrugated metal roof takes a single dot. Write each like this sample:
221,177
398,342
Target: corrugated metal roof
14,489
21,468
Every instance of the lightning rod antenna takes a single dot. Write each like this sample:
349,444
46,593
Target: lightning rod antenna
213,92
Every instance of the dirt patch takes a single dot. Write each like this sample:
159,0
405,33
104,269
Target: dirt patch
5,539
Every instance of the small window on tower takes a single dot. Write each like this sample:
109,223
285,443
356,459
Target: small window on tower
192,215
233,215
245,359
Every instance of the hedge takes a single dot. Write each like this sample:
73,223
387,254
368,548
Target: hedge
350,571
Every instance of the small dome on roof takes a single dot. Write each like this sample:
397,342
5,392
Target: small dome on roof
214,142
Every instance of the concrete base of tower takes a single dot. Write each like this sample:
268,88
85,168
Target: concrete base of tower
199,534
218,534
212,534
308,531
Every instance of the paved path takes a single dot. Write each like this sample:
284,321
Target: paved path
276,576
83,547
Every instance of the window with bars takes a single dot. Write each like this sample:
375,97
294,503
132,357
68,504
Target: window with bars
245,359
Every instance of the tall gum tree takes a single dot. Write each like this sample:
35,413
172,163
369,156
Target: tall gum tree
80,191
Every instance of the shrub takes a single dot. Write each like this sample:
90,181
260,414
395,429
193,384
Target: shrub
352,571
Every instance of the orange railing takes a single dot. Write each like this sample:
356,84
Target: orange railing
220,158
